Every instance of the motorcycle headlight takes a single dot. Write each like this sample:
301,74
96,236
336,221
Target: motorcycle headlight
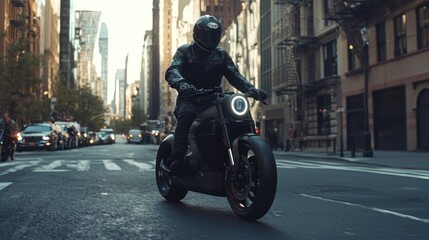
239,105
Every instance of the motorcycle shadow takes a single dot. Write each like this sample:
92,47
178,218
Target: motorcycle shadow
217,221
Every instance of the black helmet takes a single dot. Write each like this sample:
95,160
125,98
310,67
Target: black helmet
207,32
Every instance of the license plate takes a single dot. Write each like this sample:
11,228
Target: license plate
32,144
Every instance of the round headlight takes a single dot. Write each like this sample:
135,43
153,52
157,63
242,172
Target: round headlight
239,105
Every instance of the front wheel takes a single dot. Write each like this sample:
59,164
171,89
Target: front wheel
163,178
251,190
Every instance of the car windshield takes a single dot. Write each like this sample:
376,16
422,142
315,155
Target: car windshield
135,132
37,128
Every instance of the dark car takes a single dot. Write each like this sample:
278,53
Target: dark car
101,138
134,136
42,136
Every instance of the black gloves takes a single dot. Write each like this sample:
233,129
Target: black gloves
186,88
258,94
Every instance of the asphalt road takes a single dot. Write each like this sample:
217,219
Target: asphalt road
109,192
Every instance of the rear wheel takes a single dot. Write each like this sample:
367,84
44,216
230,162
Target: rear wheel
163,178
251,191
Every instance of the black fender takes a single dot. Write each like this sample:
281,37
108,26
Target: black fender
262,145
169,139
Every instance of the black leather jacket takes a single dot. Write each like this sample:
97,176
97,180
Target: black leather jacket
203,70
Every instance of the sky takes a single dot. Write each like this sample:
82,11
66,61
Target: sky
127,21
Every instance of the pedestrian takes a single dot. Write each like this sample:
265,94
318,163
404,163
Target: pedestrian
292,137
10,131
200,64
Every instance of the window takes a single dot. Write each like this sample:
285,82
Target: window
423,26
330,58
351,56
327,7
400,23
381,41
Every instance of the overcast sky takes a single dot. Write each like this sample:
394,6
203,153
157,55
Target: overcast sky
127,21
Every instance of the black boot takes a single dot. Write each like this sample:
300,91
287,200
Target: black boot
178,165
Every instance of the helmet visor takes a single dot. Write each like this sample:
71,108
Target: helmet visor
209,38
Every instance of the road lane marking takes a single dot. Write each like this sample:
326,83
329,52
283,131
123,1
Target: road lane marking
4,184
420,174
423,220
51,167
109,165
19,167
83,165
140,165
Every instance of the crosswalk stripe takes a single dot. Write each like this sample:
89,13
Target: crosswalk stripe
51,167
83,165
109,165
4,184
19,167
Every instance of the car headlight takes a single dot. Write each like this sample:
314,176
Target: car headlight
19,136
46,138
239,105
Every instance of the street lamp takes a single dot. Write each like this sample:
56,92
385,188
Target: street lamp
367,152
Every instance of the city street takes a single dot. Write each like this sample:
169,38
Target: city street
109,192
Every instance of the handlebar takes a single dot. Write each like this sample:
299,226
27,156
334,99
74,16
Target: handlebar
203,91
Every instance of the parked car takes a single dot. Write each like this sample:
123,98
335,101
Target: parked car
134,136
35,136
110,134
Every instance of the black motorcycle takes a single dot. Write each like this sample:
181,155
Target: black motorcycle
225,158
7,145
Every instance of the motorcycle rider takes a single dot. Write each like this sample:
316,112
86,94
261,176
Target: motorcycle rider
10,129
200,64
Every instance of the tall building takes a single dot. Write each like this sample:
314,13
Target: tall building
120,92
88,22
145,72
50,45
68,36
103,44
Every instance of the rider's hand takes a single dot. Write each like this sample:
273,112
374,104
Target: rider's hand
187,89
258,94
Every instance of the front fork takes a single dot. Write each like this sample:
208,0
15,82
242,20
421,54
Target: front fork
226,138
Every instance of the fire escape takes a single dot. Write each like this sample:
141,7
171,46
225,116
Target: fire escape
291,40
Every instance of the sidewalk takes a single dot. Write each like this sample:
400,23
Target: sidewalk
398,159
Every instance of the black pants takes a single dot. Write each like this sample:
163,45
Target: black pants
186,112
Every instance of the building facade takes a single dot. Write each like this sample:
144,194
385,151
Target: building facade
88,22
103,48
343,89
